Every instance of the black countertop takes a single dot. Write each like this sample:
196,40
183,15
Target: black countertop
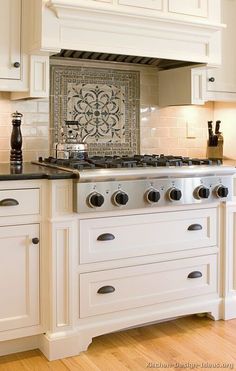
31,171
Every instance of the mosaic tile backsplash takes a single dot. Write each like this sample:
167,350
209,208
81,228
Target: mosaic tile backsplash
162,130
104,102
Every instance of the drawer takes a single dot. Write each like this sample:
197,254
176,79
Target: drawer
15,202
128,236
132,287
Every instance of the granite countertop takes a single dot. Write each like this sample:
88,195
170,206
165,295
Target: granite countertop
31,171
229,162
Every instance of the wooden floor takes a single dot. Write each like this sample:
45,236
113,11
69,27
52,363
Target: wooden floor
182,344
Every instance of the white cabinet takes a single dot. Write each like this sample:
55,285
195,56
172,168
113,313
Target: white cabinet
146,4
13,64
196,8
167,30
21,258
119,289
221,82
178,87
182,86
19,276
130,235
10,39
20,71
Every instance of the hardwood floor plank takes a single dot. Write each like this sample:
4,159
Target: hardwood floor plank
177,344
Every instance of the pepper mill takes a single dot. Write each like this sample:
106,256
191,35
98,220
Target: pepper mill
16,140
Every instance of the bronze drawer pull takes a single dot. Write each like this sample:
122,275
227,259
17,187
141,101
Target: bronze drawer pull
106,290
106,237
195,274
9,202
195,227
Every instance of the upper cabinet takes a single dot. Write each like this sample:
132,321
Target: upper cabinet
196,8
186,30
148,4
21,72
10,39
221,82
216,84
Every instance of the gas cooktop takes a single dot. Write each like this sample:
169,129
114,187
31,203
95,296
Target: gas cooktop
136,161
107,183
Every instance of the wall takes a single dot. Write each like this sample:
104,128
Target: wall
162,130
35,126
226,112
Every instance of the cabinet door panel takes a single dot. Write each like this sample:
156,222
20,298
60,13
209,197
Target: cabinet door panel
19,277
148,4
223,79
198,8
10,38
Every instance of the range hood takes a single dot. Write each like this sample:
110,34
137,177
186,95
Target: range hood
161,64
147,30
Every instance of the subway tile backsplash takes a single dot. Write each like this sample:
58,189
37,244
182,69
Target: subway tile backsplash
35,127
162,130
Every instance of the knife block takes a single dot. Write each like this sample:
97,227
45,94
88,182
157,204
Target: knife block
215,152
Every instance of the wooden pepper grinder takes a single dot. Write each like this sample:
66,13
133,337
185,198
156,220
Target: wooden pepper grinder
16,140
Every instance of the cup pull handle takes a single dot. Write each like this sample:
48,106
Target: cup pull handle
195,227
106,237
106,290
195,274
9,202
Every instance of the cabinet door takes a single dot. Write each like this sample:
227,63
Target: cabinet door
19,276
223,79
197,8
10,22
148,4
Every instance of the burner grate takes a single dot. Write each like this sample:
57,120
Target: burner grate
136,161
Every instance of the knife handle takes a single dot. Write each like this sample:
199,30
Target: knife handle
217,129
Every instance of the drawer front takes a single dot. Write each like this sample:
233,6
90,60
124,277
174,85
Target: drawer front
15,202
128,236
132,287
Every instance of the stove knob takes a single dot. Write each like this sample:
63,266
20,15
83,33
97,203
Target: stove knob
221,191
153,196
120,198
174,194
95,199
202,192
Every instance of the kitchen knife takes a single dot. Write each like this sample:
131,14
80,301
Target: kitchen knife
210,133
217,128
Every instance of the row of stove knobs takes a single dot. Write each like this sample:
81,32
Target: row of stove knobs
152,196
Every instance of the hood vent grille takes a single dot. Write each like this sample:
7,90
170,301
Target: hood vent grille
120,58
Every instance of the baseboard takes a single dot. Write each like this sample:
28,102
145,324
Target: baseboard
19,345
229,311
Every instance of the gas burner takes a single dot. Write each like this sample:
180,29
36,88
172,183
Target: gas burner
68,163
136,161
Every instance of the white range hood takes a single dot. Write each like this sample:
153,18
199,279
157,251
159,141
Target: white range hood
186,30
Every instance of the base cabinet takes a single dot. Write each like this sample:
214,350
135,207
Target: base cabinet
19,276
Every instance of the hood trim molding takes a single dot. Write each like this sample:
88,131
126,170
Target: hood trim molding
78,25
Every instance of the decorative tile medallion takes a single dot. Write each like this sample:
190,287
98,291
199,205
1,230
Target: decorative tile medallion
104,102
